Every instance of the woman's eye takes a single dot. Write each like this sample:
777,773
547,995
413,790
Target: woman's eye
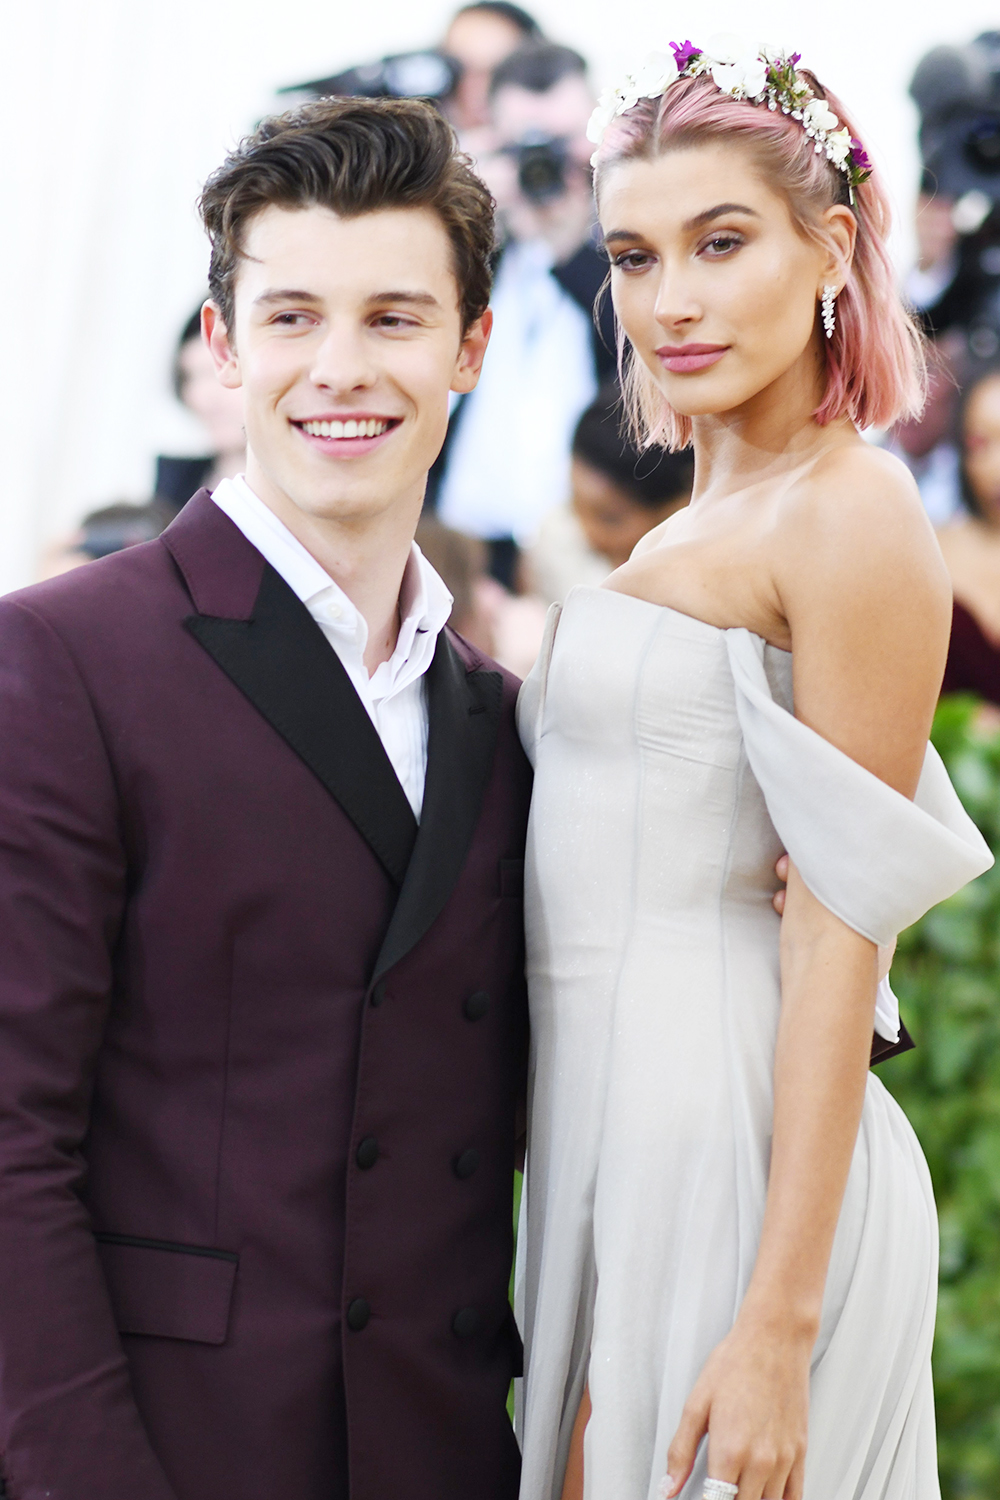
631,260
722,244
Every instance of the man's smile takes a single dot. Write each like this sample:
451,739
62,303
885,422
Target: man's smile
343,435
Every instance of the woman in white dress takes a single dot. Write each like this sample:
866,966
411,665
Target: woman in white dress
730,1233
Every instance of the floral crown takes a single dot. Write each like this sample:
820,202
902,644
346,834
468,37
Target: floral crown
762,76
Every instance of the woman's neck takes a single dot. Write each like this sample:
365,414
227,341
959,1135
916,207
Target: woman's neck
767,439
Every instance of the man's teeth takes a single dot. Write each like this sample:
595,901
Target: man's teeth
374,427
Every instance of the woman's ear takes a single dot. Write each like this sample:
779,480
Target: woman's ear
842,229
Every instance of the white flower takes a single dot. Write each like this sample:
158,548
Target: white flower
736,67
744,77
604,112
838,146
655,76
727,47
820,116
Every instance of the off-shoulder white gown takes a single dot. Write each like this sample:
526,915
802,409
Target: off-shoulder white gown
669,774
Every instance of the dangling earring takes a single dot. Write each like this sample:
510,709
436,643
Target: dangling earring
826,307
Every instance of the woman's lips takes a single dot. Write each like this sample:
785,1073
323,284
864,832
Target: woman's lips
684,359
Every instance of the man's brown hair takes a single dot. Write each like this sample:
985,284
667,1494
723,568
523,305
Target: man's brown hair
353,156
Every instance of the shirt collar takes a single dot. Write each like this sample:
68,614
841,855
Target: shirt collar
425,602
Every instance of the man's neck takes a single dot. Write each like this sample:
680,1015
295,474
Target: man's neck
365,555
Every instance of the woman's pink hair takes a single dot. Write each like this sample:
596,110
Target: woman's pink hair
875,360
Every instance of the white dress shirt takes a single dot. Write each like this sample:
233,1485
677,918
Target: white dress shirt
394,693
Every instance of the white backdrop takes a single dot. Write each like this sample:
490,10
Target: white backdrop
115,110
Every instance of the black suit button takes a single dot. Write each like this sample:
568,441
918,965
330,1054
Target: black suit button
378,993
465,1164
466,1322
358,1314
367,1153
476,1006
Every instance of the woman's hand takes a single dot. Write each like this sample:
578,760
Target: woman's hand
752,1397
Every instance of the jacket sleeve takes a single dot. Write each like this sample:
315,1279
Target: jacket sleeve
69,1426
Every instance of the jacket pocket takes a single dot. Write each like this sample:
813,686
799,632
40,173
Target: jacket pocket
167,1290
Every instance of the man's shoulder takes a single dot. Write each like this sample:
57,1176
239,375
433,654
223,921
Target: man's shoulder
140,578
476,660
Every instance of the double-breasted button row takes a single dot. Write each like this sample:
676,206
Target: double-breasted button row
474,1006
466,1322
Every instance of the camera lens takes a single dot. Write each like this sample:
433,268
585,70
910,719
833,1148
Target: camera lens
541,172
982,146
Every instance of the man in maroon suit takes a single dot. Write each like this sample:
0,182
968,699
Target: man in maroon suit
262,1017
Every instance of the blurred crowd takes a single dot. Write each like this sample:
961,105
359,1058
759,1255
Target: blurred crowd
538,489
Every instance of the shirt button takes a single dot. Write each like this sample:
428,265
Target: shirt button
466,1322
333,610
358,1314
476,1006
465,1164
367,1153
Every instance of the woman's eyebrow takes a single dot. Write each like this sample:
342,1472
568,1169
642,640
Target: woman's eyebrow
715,213
699,220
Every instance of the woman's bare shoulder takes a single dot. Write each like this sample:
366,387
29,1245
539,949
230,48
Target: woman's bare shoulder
857,514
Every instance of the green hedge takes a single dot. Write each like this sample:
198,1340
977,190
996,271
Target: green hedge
947,976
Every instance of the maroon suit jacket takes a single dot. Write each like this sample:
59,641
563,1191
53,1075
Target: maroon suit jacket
261,1041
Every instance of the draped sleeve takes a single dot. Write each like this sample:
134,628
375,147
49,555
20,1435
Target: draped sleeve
875,859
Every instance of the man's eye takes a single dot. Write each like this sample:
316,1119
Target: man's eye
290,319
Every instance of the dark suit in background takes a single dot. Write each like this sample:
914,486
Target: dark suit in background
261,1040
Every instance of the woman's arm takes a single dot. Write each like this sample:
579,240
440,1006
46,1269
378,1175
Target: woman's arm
866,598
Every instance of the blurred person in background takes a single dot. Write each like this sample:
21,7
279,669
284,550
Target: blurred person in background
455,76
926,443
112,528
618,492
971,545
479,38
508,447
220,413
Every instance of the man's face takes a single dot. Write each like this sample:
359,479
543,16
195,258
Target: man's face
348,339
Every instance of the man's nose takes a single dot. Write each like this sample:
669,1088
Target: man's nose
343,361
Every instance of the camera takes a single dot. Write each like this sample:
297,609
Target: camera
957,91
541,166
406,75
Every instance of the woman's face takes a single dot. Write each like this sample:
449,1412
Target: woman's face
981,437
612,521
715,287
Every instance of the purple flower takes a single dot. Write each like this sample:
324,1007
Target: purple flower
794,60
684,54
859,156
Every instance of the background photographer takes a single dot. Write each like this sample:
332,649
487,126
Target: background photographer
506,459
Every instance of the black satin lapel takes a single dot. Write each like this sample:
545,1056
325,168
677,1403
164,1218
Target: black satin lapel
464,715
280,659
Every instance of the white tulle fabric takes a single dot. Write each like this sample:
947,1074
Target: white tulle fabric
670,773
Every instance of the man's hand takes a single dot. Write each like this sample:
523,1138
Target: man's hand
885,955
